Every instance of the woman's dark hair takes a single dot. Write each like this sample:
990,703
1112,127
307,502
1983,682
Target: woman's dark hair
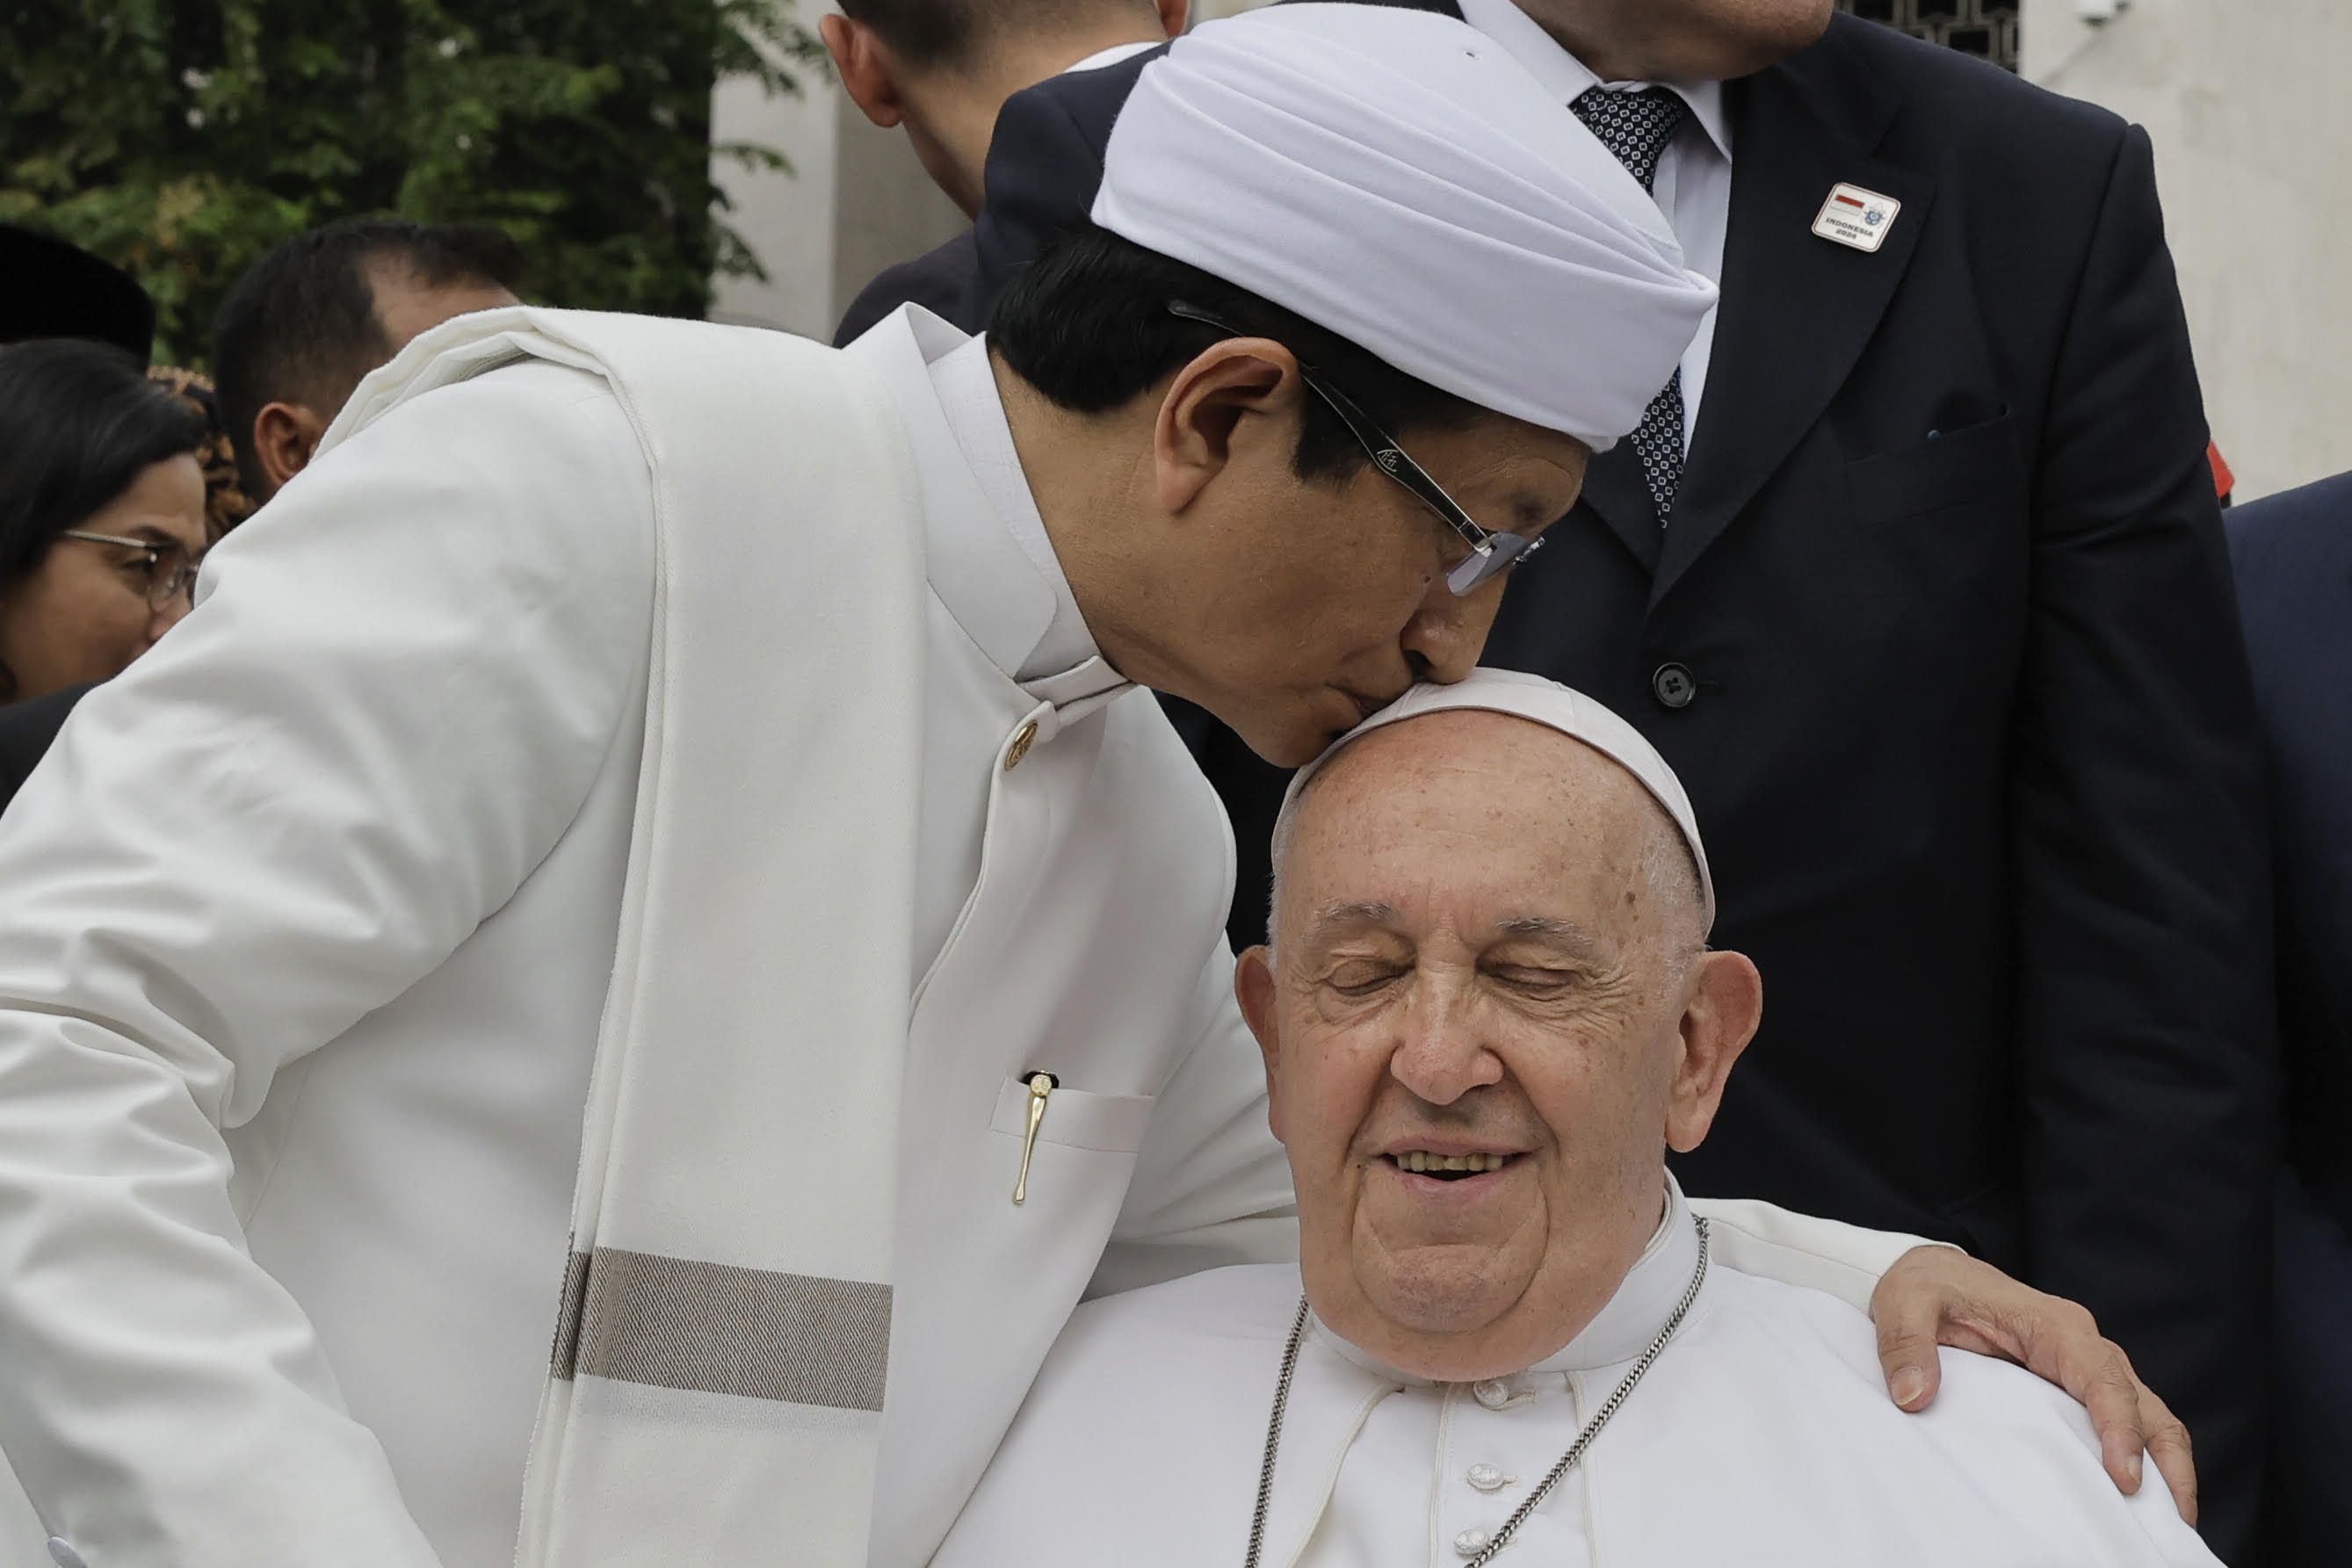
78,422
1088,325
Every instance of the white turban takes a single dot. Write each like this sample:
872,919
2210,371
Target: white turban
1395,177
1555,707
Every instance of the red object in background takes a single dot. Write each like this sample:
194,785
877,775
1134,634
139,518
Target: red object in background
2223,480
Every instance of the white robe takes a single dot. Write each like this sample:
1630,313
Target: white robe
305,928
1762,1435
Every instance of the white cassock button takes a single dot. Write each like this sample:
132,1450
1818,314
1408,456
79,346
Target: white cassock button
1492,1394
1471,1542
1485,1478
62,1553
1023,738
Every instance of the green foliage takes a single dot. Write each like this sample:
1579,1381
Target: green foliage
180,139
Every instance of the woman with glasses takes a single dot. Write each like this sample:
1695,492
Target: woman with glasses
102,515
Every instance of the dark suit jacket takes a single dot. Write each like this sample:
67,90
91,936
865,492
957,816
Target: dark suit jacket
1972,740
25,731
936,280
2293,558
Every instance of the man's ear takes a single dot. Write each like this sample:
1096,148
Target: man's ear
1253,989
1234,395
1726,1001
285,435
868,73
1174,15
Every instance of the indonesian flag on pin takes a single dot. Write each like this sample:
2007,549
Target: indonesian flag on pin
1854,216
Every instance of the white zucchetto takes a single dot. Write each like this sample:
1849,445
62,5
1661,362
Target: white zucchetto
1555,707
1397,178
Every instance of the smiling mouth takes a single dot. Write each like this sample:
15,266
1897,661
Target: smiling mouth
1447,1167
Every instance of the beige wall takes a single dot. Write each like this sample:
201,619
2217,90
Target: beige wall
2249,103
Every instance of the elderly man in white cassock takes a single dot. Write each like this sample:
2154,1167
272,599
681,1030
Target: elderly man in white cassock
654,846
1487,1013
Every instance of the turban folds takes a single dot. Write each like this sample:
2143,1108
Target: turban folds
1395,177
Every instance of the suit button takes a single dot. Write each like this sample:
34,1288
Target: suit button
1022,739
1673,686
62,1553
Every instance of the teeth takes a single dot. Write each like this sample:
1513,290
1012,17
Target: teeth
1422,1161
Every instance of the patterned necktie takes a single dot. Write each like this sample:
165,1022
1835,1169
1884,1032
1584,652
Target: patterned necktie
1635,126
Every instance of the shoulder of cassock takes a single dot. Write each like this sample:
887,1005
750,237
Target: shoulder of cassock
1147,1429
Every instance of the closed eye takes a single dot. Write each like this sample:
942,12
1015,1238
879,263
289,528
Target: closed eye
1535,981
1361,977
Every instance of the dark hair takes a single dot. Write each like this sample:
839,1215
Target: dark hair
80,422
1088,325
300,326
927,34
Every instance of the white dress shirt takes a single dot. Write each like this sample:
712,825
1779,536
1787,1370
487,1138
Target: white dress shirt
1109,57
1693,180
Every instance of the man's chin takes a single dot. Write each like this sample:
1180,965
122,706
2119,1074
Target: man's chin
1287,740
1448,1294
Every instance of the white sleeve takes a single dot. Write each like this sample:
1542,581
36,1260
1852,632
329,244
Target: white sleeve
1211,1186
1828,1255
400,681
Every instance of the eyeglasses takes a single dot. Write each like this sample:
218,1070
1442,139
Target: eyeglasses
171,570
1491,554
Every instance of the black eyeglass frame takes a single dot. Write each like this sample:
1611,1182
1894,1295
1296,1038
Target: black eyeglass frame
1491,553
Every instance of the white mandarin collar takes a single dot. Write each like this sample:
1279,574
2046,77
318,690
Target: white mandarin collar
974,411
1568,78
1622,1329
989,558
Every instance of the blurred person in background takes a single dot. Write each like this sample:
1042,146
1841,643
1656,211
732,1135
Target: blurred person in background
308,322
942,70
227,504
2292,555
102,522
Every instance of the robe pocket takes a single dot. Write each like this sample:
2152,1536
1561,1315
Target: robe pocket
1113,1124
1964,467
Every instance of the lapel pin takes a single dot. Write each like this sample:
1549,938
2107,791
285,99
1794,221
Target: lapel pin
1854,216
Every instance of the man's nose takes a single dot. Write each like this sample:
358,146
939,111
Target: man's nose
1448,631
1441,1055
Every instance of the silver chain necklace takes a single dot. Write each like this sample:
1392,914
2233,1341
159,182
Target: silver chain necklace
1543,1488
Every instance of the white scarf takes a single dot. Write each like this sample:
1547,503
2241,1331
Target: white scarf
722,1351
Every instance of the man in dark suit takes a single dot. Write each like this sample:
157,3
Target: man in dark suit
940,70
2293,558
1930,608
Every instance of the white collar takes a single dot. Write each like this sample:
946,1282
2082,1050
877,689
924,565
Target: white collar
974,411
1567,78
1016,610
1622,1329
1109,57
